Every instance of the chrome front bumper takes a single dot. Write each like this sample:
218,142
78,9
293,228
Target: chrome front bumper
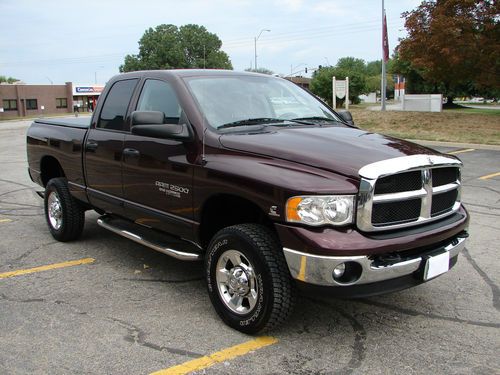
316,269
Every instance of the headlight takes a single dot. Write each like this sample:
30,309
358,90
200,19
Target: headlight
321,209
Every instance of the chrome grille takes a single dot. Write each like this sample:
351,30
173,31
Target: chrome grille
399,182
443,202
395,212
407,191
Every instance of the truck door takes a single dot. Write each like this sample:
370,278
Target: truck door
157,177
104,146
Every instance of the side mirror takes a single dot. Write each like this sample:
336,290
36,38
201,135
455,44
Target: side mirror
153,124
346,117
148,118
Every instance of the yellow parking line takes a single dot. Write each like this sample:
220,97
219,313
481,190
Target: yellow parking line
490,176
47,267
461,151
217,357
5,220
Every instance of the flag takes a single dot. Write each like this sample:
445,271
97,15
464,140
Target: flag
385,40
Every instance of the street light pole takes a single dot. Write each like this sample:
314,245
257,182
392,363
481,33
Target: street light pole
255,44
292,68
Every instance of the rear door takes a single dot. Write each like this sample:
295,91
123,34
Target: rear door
104,146
157,177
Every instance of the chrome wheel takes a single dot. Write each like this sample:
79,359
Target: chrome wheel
54,210
236,282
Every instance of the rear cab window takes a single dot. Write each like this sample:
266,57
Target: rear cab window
114,110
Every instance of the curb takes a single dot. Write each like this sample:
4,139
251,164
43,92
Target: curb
456,144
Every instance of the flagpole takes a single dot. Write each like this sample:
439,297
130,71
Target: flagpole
383,83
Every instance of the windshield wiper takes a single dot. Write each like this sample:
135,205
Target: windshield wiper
318,118
251,121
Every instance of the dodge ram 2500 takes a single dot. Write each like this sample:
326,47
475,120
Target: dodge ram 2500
262,181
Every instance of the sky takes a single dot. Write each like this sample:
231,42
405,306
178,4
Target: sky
45,42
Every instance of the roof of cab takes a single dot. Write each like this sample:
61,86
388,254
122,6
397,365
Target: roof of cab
188,73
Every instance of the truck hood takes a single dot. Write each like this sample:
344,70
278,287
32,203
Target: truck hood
338,149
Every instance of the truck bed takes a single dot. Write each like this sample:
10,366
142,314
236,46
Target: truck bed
57,140
70,122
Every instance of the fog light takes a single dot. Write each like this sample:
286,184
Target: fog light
338,271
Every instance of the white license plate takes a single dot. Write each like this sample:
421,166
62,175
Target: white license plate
437,265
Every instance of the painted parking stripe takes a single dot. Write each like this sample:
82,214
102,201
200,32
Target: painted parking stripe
490,176
48,267
5,220
217,357
461,151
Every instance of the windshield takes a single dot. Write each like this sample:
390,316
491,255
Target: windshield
231,99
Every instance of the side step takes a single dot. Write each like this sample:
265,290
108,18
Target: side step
152,238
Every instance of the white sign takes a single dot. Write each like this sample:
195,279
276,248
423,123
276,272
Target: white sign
340,89
87,90
42,107
1,109
423,102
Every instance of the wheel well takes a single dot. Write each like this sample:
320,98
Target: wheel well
224,210
50,168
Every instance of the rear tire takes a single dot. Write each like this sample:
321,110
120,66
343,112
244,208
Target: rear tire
64,214
248,279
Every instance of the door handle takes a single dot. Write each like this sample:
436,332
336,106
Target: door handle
91,146
132,152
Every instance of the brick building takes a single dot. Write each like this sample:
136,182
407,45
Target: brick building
19,100
301,81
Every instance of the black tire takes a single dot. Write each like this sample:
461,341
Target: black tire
71,215
274,287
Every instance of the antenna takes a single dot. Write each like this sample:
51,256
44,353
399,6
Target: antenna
203,159
204,127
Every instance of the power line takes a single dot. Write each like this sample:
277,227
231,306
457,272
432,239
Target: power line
296,35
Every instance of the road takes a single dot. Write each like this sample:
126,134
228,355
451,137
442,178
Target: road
124,309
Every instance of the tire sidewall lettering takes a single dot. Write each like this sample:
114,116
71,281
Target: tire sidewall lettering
258,309
216,250
213,250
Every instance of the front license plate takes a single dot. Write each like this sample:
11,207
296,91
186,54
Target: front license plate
437,265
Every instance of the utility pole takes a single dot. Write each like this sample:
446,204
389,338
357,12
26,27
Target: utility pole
384,36
255,44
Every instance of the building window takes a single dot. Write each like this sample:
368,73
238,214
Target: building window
10,105
31,104
61,103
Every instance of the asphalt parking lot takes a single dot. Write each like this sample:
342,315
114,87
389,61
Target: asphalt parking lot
121,308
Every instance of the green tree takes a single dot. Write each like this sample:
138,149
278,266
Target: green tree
374,68
355,69
351,64
8,79
260,70
373,84
171,47
453,45
414,82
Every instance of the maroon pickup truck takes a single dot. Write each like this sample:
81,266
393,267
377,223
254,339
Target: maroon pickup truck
267,185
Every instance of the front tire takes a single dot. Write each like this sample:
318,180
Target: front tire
64,214
248,279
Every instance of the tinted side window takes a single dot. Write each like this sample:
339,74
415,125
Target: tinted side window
116,104
159,96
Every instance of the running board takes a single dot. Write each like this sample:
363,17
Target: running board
169,245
